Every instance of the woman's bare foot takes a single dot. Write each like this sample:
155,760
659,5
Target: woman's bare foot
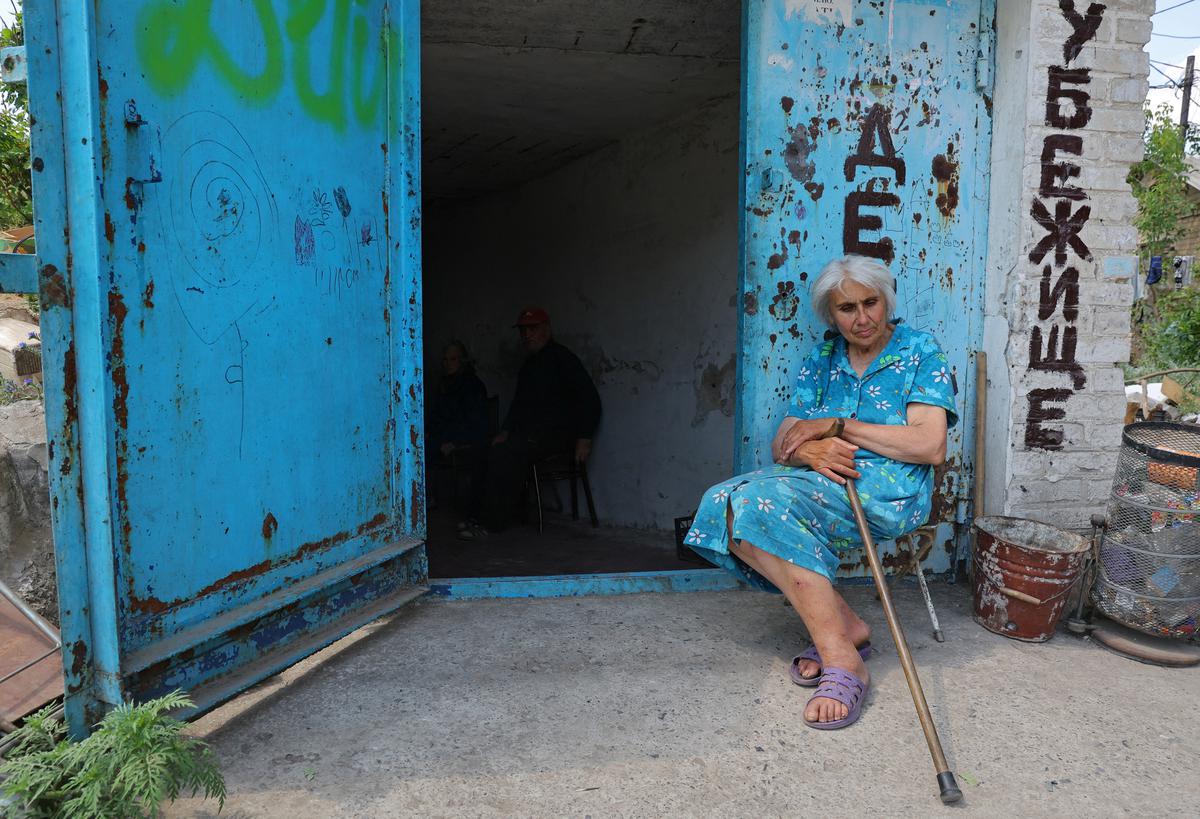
856,629
823,709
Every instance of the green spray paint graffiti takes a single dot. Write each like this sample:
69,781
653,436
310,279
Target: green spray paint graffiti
175,40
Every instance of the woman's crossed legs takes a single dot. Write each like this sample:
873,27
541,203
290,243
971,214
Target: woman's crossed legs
834,627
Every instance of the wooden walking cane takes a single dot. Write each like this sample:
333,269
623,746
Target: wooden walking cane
945,777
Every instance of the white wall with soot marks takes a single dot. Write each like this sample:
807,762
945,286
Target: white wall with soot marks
633,251
1071,77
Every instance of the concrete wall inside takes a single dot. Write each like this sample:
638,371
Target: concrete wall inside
633,251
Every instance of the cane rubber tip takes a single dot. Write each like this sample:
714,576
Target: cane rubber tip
949,788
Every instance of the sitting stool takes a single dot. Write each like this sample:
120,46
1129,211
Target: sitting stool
558,468
924,544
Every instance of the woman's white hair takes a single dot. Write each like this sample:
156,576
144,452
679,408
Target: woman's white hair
867,272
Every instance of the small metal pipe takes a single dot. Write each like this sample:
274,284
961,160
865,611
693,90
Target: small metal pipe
31,615
29,664
937,627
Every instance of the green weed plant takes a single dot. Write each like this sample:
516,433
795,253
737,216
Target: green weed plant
136,759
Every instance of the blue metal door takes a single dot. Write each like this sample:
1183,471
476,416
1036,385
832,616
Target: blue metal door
867,131
227,214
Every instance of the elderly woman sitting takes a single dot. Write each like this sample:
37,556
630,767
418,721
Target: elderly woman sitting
873,405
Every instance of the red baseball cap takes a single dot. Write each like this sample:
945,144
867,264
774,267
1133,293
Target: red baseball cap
531,316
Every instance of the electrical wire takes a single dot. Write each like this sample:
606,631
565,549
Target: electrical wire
1176,36
1171,83
1171,80
1177,5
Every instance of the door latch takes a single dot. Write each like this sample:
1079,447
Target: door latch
145,146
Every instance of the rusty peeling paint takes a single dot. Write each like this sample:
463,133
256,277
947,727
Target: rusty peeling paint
54,288
797,156
79,661
70,408
786,303
131,200
110,230
248,573
945,475
945,171
148,295
269,526
333,540
118,311
147,605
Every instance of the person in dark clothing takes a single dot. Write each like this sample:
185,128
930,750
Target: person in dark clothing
458,427
555,410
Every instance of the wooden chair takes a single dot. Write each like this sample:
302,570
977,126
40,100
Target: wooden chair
458,465
560,468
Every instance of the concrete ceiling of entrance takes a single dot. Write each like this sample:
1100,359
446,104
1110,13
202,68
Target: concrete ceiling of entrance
513,89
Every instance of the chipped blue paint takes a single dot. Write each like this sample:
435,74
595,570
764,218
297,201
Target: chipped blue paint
18,273
231,326
878,109
582,585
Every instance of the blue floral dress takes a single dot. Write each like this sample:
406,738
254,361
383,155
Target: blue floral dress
799,514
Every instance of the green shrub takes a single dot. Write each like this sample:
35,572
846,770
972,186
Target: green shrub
1174,339
136,759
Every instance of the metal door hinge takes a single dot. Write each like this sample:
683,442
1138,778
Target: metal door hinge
985,41
145,146
13,68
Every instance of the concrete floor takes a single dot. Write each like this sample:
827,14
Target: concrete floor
565,547
680,705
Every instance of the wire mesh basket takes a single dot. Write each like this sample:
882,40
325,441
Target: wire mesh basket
1148,571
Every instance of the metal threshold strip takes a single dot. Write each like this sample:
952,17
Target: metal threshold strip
581,585
202,632
226,687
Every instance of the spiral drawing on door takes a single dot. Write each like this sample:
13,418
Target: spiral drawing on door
220,220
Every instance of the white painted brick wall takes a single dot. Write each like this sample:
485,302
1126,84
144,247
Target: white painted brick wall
1066,485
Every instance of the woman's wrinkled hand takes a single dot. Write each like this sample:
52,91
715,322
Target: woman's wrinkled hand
831,457
791,436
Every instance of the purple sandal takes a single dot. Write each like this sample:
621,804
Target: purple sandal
810,653
840,685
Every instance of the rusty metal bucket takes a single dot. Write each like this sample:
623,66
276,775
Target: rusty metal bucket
1023,572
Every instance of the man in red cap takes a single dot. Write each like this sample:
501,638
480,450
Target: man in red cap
555,409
